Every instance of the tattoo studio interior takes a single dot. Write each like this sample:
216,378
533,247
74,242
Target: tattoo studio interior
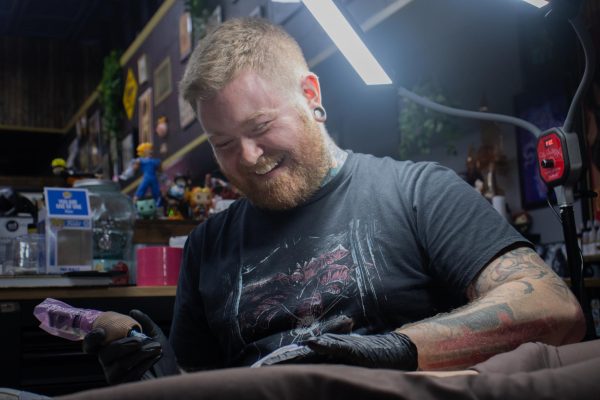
230,199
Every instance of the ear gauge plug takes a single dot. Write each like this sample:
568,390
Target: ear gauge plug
320,113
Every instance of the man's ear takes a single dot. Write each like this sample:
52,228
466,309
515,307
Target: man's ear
311,90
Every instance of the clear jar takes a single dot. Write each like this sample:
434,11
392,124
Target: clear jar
112,220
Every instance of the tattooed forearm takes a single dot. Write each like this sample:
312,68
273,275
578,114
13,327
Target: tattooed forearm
521,264
515,299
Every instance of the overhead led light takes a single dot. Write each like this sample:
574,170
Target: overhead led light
346,39
537,3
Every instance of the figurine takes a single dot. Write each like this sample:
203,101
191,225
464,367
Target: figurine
200,202
150,168
60,168
175,200
178,197
146,208
162,128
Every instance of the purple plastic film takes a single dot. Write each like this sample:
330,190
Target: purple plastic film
60,319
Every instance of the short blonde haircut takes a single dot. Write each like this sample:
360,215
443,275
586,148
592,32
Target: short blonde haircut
143,147
237,45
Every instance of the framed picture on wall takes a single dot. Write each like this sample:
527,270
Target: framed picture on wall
145,116
142,65
186,112
545,107
127,151
95,141
162,81
185,35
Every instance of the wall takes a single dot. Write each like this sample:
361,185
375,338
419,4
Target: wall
41,88
473,49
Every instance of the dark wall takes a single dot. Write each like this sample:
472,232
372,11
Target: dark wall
43,82
161,43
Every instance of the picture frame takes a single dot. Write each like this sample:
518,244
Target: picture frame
127,151
145,111
142,66
186,112
162,81
95,141
185,35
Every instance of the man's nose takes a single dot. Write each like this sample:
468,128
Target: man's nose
251,152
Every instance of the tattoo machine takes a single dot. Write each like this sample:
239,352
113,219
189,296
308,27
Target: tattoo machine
60,319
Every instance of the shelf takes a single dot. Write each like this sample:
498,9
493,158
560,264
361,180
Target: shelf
32,183
158,231
587,282
594,258
86,292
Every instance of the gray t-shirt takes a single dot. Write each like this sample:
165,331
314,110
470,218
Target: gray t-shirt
383,244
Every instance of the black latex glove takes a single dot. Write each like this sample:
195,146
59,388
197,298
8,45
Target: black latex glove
131,358
390,350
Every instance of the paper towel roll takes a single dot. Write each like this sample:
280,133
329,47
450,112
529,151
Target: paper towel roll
499,204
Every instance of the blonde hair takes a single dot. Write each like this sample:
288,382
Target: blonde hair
237,45
143,147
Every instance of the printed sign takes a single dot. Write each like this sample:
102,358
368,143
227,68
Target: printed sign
67,203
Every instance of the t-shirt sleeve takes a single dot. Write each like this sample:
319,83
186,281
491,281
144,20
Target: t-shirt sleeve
194,344
458,228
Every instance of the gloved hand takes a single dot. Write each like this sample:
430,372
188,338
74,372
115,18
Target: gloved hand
390,350
131,358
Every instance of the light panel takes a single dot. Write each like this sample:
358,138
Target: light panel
347,41
537,3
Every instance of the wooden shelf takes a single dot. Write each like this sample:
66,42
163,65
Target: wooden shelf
594,258
158,231
587,282
86,292
32,183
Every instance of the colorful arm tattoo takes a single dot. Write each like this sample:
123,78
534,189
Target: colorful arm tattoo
514,300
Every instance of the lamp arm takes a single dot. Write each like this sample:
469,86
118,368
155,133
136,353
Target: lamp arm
588,73
507,119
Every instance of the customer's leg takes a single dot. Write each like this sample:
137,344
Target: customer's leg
578,381
535,356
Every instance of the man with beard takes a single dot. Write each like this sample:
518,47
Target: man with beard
333,256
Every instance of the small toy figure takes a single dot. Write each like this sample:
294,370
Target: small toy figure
162,128
150,168
146,208
177,198
174,202
60,168
200,202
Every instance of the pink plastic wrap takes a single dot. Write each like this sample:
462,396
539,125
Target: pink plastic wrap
60,319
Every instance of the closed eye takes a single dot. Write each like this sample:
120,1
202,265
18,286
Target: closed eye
261,128
223,145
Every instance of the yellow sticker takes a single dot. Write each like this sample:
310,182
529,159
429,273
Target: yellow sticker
130,93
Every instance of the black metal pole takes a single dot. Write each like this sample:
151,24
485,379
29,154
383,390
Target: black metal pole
574,262
573,255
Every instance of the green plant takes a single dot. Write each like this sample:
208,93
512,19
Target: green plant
110,93
200,17
420,126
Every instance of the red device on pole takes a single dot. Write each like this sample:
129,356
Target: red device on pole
559,157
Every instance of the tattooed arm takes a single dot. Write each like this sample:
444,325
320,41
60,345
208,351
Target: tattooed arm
516,298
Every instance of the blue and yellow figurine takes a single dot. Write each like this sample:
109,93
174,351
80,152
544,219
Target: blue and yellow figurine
150,168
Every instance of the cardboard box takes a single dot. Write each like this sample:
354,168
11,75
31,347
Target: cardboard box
67,223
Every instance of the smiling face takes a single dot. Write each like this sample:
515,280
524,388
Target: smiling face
267,144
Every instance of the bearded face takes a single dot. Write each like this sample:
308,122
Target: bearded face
286,179
266,144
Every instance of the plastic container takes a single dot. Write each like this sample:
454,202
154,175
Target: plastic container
112,221
158,265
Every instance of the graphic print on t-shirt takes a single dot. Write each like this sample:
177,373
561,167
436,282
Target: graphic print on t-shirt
312,285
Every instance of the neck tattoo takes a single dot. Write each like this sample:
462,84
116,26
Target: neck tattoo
338,158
